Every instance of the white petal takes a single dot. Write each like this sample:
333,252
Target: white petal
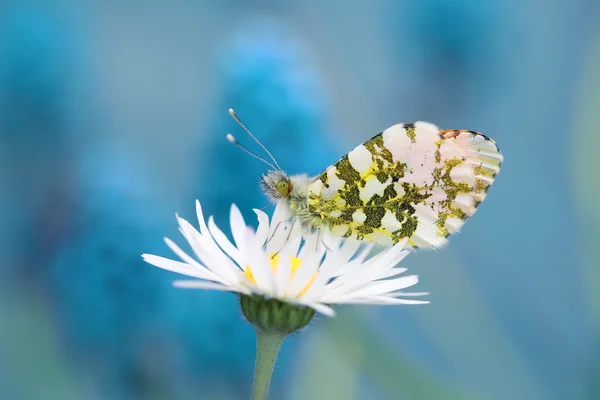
318,307
393,255
382,287
323,309
409,294
180,268
200,215
328,269
209,252
353,270
284,267
362,255
259,265
262,232
279,237
349,248
307,269
380,300
331,241
309,246
334,261
185,284
197,241
357,275
363,276
388,273
356,263
391,300
292,245
280,215
224,242
189,260
238,227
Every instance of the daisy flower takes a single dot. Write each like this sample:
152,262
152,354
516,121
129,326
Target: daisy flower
284,275
278,262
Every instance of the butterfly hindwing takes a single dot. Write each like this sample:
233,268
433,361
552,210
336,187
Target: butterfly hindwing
410,181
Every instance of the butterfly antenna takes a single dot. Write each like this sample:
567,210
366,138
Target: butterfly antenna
233,140
239,121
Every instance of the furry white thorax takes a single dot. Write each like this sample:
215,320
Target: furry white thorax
296,199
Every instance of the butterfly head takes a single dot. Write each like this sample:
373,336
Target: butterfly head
276,184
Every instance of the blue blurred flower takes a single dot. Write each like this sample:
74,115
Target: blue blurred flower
448,54
36,66
112,309
37,54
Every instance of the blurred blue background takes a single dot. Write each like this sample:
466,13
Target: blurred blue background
113,116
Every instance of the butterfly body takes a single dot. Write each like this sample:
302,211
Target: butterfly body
294,191
410,181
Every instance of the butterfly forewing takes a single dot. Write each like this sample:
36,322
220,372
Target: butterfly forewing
410,181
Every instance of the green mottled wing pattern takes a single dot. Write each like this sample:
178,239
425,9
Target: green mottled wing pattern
410,181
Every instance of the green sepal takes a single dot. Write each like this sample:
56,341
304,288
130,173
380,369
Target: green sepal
272,315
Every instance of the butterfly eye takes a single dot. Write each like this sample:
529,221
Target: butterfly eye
284,187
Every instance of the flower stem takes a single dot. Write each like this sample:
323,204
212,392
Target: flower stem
267,348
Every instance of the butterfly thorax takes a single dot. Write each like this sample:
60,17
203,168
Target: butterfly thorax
292,190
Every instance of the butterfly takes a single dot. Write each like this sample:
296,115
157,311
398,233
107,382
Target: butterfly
411,181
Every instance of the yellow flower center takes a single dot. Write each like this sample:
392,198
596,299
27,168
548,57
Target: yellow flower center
274,260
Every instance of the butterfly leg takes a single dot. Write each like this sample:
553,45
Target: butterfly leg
273,234
290,229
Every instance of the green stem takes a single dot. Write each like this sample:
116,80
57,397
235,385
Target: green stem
267,348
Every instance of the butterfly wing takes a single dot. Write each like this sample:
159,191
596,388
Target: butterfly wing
410,181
